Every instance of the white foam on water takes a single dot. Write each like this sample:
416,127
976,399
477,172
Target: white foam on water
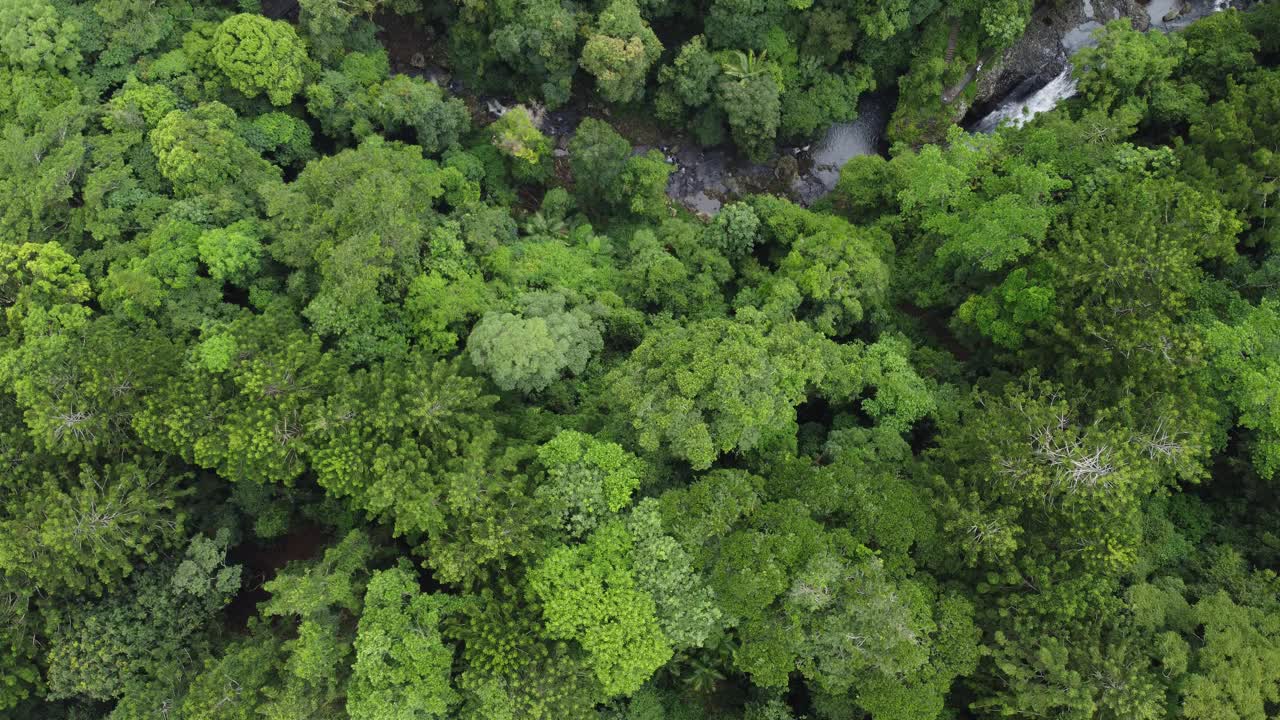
1046,98
1017,112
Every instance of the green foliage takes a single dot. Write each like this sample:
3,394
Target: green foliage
529,351
735,230
384,428
688,82
832,269
718,385
589,594
102,649
85,528
284,138
231,253
517,137
643,186
200,152
1126,65
260,56
586,479
359,98
531,43
36,36
38,169
1246,367
990,431
607,176
236,684
752,106
313,599
598,155
402,665
353,266
620,52
685,605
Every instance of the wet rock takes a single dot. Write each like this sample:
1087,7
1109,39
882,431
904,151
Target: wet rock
1033,72
786,169
1054,32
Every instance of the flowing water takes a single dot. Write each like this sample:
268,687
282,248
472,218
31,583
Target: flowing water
1019,107
705,178
863,136
1017,112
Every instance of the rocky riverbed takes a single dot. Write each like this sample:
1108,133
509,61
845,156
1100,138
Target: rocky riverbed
707,177
1035,74
1030,77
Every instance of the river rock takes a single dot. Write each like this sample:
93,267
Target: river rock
1053,33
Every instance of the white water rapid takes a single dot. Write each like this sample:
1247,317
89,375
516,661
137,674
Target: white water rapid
1018,110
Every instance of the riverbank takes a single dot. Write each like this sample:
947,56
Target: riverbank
1034,75
1030,77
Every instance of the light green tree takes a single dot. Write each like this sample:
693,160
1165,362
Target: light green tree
33,36
590,595
402,665
529,351
620,52
260,56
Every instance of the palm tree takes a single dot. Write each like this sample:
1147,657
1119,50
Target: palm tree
744,65
542,226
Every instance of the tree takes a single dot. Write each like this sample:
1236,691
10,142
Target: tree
587,480
1123,274
85,528
535,40
517,137
357,228
620,52
200,152
402,665
1219,50
260,56
509,669
238,403
35,36
684,603
608,176
38,173
528,352
285,139
835,269
1125,65
752,104
735,230
234,685
103,649
1235,670
312,598
328,22
598,156
643,186
410,102
717,385
686,88
383,428
361,97
232,253
589,594
1246,369
671,269
1229,154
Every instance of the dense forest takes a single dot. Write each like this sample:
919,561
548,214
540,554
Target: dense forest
328,394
